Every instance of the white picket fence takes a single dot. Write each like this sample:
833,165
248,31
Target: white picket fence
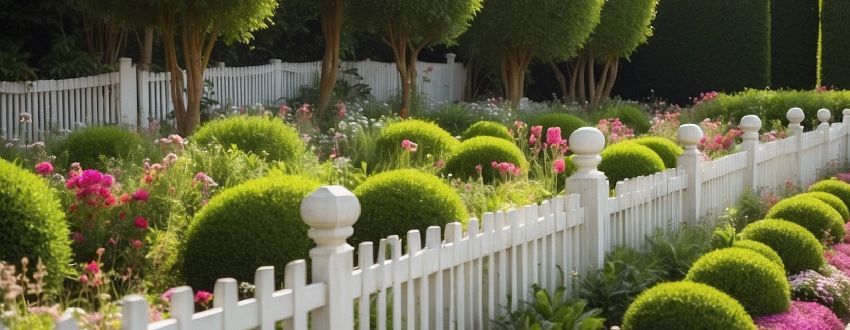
133,98
465,278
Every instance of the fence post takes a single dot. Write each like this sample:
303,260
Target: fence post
134,313
450,60
129,109
751,124
277,77
824,115
845,123
331,211
143,97
592,185
690,161
795,116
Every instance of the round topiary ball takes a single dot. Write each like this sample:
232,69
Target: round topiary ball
487,128
394,202
685,305
265,137
668,150
816,216
630,114
756,282
429,138
797,246
256,223
626,160
484,150
830,199
836,187
87,145
567,122
32,223
762,249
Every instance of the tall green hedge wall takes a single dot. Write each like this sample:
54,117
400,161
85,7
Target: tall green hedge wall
793,42
834,58
699,46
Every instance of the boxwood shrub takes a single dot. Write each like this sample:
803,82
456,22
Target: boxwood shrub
628,160
760,248
811,213
668,150
430,139
631,114
773,105
487,128
830,199
265,137
483,150
797,246
567,122
836,187
685,305
834,46
756,282
87,145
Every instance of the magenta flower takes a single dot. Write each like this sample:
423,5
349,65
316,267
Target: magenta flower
141,195
553,136
137,244
44,168
203,297
409,145
166,296
801,316
478,169
536,131
559,166
93,267
107,181
140,222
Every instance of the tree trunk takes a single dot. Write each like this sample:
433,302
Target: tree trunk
591,79
562,80
398,41
514,65
612,77
170,51
580,69
596,98
331,31
147,50
196,54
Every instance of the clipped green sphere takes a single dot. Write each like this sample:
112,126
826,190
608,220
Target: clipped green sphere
484,150
813,214
487,128
830,199
668,150
87,145
626,160
32,223
836,187
760,248
797,246
266,137
567,122
429,138
253,224
756,282
686,306
394,202
632,115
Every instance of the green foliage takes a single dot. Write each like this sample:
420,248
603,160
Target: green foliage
395,202
630,114
756,282
552,311
430,138
483,150
487,128
432,22
834,47
675,251
830,199
623,26
668,150
13,64
256,223
811,213
798,248
794,43
32,223
686,305
626,160
836,187
762,249
567,122
773,105
88,145
267,138
728,50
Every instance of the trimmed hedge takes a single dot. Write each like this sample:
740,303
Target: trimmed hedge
836,187
87,145
756,282
668,150
483,150
487,128
265,137
834,44
632,115
567,122
685,305
762,249
430,139
773,105
813,214
798,248
726,48
626,160
395,202
830,199
794,43
256,223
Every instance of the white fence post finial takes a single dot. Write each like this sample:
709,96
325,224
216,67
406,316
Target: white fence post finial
824,115
134,313
795,116
331,211
750,125
592,185
689,136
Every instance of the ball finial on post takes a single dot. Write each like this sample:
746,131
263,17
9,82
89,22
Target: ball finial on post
824,115
330,211
586,143
795,116
750,124
689,136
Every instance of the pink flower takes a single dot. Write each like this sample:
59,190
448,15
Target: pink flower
478,169
175,138
93,267
553,136
801,316
107,181
536,131
140,222
409,145
203,297
44,168
559,166
341,109
84,279
166,296
137,244
141,195
532,140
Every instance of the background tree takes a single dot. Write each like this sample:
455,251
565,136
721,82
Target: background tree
409,26
332,19
623,26
518,32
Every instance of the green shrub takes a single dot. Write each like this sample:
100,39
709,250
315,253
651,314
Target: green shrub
756,282
834,46
484,150
836,187
630,114
773,105
762,249
487,128
395,202
567,122
794,43
685,305
626,160
798,248
32,223
87,145
268,138
733,51
816,216
256,223
430,139
832,200
675,250
668,150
